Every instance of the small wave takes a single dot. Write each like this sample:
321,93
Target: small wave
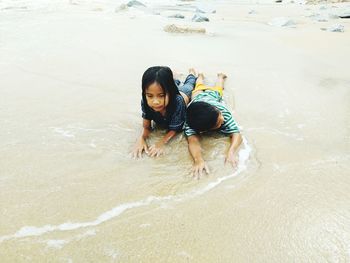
28,231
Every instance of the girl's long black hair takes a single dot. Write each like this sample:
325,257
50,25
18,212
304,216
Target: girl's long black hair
164,77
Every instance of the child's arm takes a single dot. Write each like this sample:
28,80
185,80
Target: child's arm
157,149
196,153
141,144
236,140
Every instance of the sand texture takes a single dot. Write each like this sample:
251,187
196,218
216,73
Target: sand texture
70,91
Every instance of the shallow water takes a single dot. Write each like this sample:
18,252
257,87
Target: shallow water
69,115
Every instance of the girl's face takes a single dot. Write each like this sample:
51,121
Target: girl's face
156,98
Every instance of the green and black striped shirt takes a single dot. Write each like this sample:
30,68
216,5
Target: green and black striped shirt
213,98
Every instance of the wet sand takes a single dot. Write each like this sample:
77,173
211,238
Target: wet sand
70,113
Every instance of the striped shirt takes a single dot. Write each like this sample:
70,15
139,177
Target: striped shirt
213,98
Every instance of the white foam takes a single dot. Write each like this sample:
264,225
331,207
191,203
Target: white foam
63,132
58,244
28,231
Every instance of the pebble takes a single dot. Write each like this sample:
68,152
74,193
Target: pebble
281,22
135,3
200,18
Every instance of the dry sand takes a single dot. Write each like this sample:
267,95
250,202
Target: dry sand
70,113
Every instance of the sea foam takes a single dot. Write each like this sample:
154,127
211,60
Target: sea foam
28,231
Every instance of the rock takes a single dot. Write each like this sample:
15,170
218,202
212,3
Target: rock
205,9
187,30
281,22
336,28
135,3
251,12
278,1
122,7
344,14
333,16
177,16
200,18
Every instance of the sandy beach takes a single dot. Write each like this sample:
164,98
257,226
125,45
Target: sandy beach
70,91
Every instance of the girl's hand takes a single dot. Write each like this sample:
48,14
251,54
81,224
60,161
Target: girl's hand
232,158
139,147
198,168
156,150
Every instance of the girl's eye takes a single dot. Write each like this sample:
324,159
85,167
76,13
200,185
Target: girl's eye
162,95
149,96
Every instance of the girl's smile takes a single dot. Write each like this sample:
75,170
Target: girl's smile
156,98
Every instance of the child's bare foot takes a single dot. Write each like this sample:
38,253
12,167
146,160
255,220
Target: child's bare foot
200,78
177,74
221,80
222,76
192,71
201,75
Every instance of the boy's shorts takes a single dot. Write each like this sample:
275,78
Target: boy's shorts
201,86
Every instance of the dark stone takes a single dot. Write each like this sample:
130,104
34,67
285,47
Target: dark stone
200,18
135,3
177,16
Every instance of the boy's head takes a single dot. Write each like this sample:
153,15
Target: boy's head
202,117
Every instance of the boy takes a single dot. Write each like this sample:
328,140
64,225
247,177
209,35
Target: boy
207,113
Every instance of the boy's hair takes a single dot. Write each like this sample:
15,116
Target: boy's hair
164,77
201,116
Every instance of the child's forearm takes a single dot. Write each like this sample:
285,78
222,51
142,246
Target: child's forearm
236,140
145,133
170,134
146,129
195,148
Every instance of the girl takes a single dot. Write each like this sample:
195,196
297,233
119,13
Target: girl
164,103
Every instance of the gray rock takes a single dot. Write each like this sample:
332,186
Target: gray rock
200,18
177,16
282,22
333,16
252,12
205,9
122,7
135,3
344,14
336,28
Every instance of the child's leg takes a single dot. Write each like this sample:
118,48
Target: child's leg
177,82
221,80
189,83
200,79
191,78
